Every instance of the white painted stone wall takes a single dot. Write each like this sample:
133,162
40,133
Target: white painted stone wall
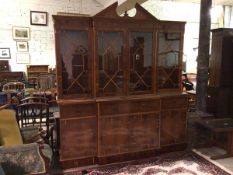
188,12
41,43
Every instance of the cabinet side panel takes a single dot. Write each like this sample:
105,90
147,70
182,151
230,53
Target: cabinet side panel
215,60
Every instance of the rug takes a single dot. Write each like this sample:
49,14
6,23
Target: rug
177,163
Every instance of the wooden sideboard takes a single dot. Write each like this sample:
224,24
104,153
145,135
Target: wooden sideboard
34,71
119,87
12,76
108,129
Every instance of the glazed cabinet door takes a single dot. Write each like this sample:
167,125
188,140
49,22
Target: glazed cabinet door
169,58
75,63
141,61
109,67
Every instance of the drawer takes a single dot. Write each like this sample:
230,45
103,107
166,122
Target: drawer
174,102
77,110
127,107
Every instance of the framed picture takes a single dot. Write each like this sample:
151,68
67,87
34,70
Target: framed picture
5,53
23,58
38,18
21,33
22,46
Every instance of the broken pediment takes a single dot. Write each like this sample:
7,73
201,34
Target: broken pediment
111,13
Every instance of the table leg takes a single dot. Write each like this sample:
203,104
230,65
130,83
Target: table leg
229,150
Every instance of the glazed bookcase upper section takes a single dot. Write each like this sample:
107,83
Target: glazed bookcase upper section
109,55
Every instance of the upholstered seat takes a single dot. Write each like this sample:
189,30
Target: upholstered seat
17,153
9,130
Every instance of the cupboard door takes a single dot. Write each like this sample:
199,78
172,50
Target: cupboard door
75,67
169,59
78,138
140,44
128,133
110,76
173,127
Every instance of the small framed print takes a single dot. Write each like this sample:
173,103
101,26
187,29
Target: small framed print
22,46
5,53
23,58
38,18
21,33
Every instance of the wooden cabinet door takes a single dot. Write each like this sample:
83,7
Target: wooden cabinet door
110,61
78,138
78,130
75,70
173,127
130,133
141,62
169,61
128,126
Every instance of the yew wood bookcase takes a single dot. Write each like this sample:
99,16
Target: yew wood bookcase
119,86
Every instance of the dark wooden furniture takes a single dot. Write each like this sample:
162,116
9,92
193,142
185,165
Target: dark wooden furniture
12,76
220,126
119,86
34,71
14,86
220,96
36,114
191,100
4,65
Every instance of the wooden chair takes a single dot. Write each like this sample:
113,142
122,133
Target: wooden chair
36,114
33,99
14,86
17,144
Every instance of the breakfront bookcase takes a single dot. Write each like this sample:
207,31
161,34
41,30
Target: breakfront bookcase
119,86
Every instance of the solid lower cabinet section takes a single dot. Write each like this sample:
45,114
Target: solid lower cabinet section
78,138
108,130
173,125
123,134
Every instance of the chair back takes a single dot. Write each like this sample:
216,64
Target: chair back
14,86
34,100
46,81
33,114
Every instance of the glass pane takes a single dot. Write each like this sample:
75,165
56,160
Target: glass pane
168,60
140,61
110,62
74,53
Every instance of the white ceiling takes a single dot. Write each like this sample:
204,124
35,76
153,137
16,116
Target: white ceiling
214,2
125,5
106,3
